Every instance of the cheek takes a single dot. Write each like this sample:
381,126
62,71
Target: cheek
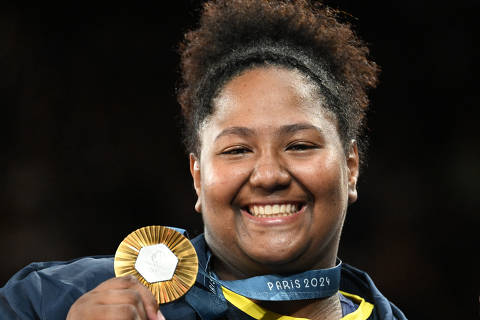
220,182
325,178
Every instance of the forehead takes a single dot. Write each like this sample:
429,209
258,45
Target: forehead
261,90
255,80
264,100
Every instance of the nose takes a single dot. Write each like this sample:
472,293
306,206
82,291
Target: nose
269,173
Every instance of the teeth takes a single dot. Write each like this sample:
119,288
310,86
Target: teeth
277,210
268,209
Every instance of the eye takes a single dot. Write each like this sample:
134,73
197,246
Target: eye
237,150
301,146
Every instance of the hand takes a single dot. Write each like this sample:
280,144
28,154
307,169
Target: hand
117,298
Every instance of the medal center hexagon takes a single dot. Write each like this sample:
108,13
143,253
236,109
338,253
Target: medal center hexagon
156,263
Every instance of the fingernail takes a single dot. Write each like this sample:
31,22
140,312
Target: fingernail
160,315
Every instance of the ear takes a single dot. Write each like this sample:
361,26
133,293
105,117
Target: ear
353,162
195,172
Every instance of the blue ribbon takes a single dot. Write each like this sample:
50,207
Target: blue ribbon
311,284
208,301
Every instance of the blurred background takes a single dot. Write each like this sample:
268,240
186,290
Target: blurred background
91,150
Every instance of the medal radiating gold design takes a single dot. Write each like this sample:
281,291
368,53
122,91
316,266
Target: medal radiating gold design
161,258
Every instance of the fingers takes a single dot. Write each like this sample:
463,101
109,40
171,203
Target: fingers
123,312
150,305
149,301
118,283
113,312
160,315
118,298
122,298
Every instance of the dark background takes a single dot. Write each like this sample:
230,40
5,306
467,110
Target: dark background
90,146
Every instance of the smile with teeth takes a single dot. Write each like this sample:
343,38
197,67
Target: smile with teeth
273,210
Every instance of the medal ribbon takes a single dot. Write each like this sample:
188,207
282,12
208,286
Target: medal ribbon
209,302
311,284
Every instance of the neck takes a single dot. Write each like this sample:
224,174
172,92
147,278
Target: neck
227,271
320,309
315,309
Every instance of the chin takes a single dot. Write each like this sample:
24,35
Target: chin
280,260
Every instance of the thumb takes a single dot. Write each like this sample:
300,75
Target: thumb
159,316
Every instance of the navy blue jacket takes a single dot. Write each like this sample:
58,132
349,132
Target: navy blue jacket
46,290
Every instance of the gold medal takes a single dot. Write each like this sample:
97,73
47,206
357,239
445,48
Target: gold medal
161,258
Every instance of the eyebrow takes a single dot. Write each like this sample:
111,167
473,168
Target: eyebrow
239,131
286,129
291,128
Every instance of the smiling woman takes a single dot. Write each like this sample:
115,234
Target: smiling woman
269,146
274,95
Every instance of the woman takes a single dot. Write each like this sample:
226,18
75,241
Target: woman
273,95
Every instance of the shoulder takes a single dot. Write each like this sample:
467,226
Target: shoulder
48,289
359,283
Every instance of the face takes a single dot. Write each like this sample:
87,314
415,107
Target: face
272,179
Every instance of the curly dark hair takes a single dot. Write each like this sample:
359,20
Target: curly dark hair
235,35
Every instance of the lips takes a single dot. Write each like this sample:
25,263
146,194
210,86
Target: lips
273,209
